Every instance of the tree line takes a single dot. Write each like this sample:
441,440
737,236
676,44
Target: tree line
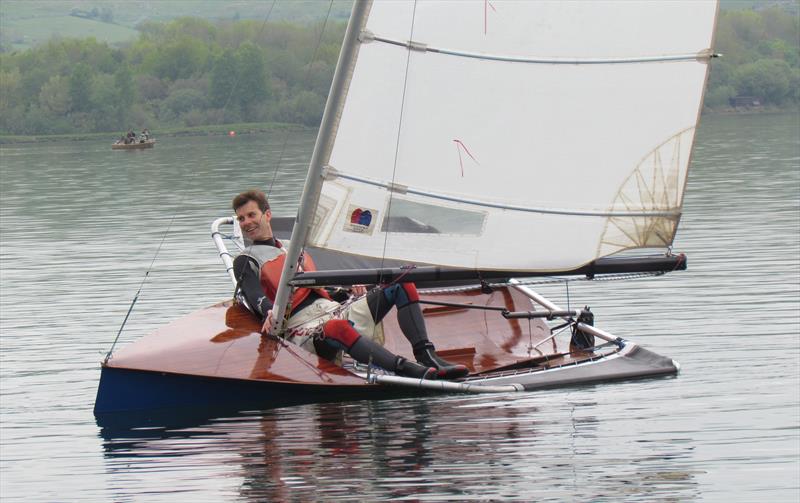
192,72
761,58
188,72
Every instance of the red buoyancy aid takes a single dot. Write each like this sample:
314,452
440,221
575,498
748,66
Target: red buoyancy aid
271,274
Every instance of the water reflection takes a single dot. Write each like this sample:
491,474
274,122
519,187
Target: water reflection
449,448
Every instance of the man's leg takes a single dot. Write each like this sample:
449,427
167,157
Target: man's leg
367,351
409,317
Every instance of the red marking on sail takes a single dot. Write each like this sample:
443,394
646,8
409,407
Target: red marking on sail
459,146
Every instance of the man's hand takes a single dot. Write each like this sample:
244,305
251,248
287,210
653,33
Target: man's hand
267,323
358,290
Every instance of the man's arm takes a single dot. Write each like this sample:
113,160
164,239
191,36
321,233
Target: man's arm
248,285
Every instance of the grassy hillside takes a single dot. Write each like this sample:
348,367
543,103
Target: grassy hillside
27,23
25,33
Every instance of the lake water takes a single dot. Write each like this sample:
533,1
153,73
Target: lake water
80,225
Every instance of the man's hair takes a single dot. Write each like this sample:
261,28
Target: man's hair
251,195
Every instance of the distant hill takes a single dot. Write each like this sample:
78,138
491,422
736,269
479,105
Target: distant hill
27,23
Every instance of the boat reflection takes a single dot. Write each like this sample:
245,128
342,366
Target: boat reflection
448,448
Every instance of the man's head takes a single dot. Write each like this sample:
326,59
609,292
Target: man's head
253,213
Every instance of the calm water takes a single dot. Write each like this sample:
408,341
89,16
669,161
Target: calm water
80,225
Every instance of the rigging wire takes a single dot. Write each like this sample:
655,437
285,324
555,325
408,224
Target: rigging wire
286,133
172,220
306,79
238,77
396,152
397,140
141,286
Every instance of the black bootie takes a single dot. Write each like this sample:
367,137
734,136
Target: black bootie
365,350
407,368
426,355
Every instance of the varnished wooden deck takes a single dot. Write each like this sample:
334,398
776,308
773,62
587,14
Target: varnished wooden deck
223,341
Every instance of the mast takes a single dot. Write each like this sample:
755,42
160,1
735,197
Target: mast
320,158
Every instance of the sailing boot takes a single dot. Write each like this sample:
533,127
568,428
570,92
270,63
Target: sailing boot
367,351
426,355
412,324
407,368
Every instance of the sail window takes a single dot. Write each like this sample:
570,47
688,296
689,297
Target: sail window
413,217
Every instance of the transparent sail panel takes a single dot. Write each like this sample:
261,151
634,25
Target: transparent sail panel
420,218
532,136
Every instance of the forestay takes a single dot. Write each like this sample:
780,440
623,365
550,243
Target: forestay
516,135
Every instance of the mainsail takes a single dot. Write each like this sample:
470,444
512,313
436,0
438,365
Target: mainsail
515,135
507,135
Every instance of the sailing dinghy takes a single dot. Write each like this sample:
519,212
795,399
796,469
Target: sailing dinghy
470,150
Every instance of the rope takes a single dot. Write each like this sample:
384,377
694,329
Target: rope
229,237
462,306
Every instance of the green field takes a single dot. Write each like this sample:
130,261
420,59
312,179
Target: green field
26,33
27,23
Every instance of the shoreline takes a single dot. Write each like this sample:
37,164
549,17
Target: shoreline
761,110
112,136
263,127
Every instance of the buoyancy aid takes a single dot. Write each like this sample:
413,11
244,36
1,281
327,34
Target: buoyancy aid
270,260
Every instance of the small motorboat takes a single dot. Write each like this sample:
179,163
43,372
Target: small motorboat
137,145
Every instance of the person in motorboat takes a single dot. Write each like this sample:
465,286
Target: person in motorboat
329,322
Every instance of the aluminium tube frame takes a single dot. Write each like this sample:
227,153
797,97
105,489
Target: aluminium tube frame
224,254
535,297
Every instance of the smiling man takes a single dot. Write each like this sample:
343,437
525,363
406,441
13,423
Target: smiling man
321,324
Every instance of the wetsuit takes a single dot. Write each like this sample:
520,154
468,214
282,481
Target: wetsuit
251,286
257,282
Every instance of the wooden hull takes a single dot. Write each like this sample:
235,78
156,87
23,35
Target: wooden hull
216,357
133,146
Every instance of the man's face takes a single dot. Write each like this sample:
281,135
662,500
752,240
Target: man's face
253,222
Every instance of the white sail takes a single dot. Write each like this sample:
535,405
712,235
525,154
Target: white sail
515,135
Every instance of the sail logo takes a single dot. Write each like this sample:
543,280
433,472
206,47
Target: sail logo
361,220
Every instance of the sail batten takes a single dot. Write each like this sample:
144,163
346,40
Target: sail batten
667,211
701,56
